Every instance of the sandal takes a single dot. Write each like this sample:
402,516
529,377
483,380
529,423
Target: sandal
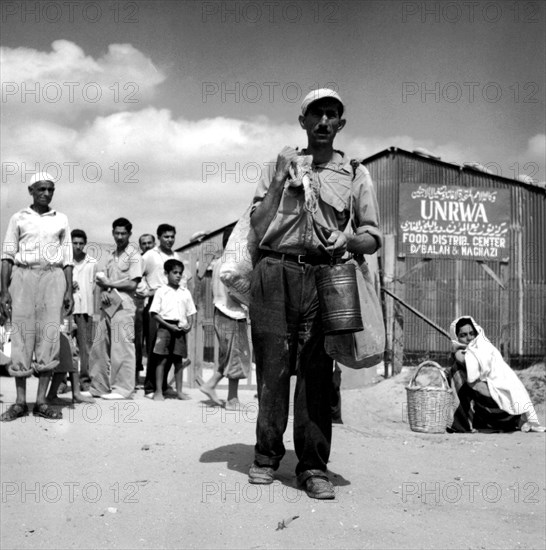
15,411
45,411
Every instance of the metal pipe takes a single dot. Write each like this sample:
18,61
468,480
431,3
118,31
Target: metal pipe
418,313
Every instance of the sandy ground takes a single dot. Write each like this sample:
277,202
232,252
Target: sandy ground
139,474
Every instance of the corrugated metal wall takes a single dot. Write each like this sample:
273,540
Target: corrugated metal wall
443,289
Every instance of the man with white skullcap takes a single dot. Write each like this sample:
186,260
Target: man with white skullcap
301,207
36,286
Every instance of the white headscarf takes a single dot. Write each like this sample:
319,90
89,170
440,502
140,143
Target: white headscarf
455,344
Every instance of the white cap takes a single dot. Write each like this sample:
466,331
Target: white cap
316,95
41,176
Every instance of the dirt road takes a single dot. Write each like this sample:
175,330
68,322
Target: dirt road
139,474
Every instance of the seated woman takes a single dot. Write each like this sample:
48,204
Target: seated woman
491,396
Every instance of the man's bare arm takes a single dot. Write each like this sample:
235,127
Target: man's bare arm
5,296
68,300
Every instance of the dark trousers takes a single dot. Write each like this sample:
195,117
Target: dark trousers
141,332
84,337
477,409
335,395
288,339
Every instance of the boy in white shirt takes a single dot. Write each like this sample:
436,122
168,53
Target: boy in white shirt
173,309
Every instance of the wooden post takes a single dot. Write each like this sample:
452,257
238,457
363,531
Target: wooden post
505,312
458,280
398,318
398,340
519,269
195,368
388,278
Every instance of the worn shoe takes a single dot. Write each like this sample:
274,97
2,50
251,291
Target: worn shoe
112,396
14,411
87,393
232,405
45,411
260,475
316,485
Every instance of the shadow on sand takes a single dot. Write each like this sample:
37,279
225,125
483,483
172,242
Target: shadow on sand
239,456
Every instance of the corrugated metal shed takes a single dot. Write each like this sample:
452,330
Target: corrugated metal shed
507,298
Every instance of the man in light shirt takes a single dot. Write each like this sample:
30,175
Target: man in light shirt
302,206
36,286
230,326
85,267
112,358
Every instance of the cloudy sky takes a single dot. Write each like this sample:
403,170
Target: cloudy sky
165,111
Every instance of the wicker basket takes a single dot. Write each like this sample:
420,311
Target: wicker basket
429,407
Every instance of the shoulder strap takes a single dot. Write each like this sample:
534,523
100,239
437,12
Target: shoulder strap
355,164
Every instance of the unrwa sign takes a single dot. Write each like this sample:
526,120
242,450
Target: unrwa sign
468,223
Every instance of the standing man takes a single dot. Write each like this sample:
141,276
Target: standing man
112,360
154,273
85,267
230,326
301,208
146,242
36,286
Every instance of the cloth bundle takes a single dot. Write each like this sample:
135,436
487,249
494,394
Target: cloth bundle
238,259
300,175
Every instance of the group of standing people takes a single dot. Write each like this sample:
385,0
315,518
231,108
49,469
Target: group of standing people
48,284
300,213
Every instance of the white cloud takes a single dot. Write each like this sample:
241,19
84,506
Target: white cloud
536,148
115,159
66,82
153,168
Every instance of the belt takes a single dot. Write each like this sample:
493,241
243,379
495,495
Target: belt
38,267
301,259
